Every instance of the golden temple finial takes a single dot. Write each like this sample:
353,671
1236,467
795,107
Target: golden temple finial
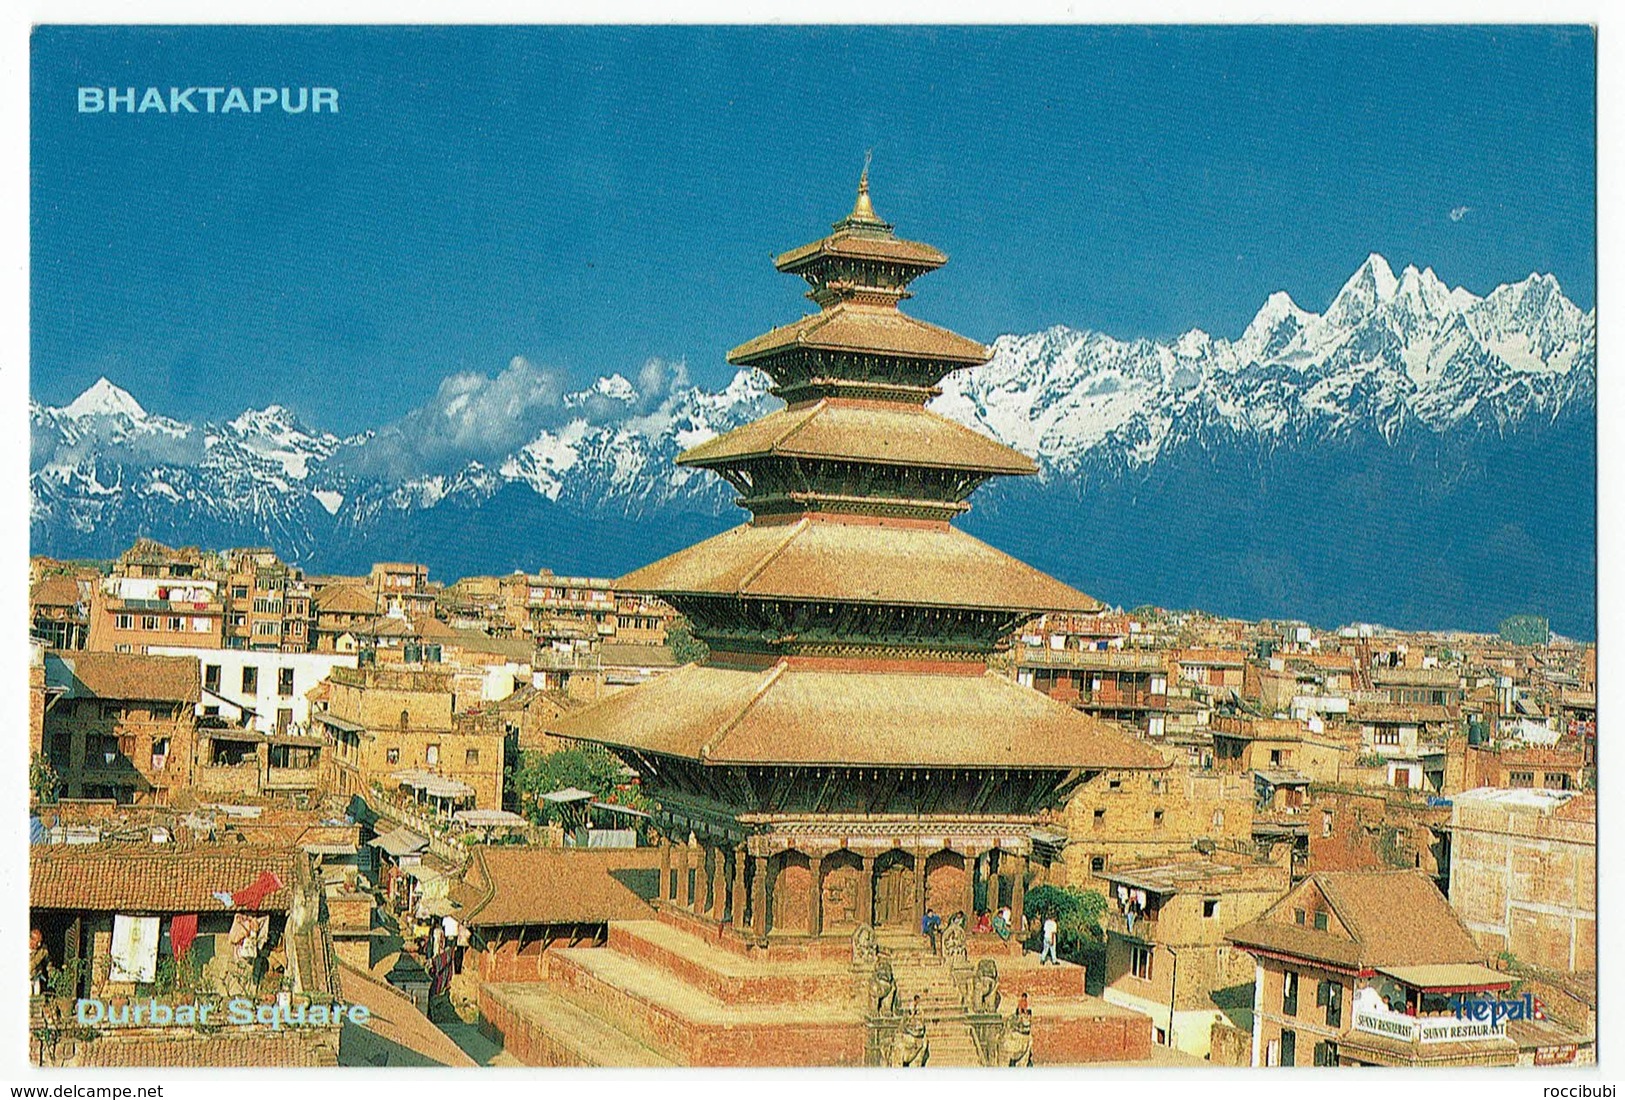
863,209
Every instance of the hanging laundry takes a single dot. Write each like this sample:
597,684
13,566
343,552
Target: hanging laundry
134,949
252,895
182,932
249,934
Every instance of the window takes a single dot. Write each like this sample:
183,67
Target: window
1330,995
121,647
124,622
1298,915
1385,737
431,755
1218,819
1272,1053
1520,779
1097,864
1320,920
175,623
149,622
471,758
1555,781
284,681
1326,1053
392,756
1325,823
284,719
251,680
1139,961
1100,818
211,677
1156,819
200,626
1289,1047
1289,993
1210,907
1115,784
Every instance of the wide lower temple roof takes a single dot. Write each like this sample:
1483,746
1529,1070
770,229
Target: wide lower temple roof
850,327
858,562
900,434
787,715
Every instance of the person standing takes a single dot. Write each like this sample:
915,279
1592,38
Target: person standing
1051,932
931,925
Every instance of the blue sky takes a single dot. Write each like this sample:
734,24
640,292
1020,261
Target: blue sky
590,199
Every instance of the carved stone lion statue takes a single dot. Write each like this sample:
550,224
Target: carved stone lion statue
883,996
1018,1041
984,988
911,1048
864,951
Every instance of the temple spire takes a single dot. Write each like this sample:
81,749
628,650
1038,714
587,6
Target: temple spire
863,210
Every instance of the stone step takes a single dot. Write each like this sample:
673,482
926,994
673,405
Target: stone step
540,1028
692,1027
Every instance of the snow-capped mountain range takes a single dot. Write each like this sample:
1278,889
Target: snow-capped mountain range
1392,360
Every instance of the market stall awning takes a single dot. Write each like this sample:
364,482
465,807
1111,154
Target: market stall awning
1448,977
568,794
340,723
488,818
400,842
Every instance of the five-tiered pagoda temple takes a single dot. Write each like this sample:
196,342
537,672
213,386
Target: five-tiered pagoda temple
845,756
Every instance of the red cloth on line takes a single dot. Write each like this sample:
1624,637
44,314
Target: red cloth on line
250,896
182,932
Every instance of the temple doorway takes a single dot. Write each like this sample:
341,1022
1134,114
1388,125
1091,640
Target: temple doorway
894,891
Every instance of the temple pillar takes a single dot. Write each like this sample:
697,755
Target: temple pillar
685,886
969,906
866,891
741,861
993,884
1018,895
815,896
719,882
919,888
666,892
758,897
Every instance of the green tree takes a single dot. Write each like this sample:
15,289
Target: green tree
588,768
1077,913
43,779
684,645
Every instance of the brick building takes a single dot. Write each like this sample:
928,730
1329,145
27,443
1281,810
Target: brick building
1523,874
119,920
1358,968
381,720
1127,818
121,726
1167,955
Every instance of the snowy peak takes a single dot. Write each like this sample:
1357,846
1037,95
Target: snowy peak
1280,322
103,398
1369,287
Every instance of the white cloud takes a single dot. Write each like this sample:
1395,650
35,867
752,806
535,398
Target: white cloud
473,417
1459,212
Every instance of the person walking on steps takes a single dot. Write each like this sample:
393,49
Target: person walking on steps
931,925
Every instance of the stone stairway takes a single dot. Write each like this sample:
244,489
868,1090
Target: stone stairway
946,1029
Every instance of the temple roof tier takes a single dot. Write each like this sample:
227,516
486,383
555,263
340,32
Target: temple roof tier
843,559
862,431
786,715
858,328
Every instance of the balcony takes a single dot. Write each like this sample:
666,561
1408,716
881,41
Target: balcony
1125,660
1145,928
